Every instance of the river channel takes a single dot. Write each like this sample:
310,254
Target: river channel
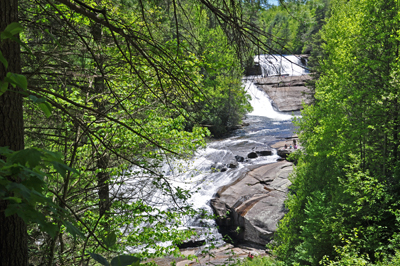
224,160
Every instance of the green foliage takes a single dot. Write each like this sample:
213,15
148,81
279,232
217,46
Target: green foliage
27,192
11,78
263,261
121,260
344,200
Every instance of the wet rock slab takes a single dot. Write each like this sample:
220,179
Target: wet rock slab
287,92
254,203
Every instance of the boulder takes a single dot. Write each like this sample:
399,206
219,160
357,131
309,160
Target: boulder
239,158
192,243
232,164
264,153
252,155
254,203
284,153
218,167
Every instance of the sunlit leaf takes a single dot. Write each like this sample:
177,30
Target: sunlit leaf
46,108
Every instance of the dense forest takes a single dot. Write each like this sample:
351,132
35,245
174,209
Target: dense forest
96,95
343,209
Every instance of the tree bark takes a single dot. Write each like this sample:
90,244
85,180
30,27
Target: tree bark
102,158
13,235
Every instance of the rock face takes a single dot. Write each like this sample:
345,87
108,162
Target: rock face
254,203
286,92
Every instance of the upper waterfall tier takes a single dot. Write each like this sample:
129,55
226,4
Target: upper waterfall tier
277,65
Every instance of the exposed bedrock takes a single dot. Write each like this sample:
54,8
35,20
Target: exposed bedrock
254,203
286,92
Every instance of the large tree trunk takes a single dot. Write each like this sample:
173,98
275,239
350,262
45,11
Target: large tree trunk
102,158
13,236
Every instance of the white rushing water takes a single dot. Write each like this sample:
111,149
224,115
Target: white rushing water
277,65
261,103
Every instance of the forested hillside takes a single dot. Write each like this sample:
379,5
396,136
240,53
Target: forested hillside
344,205
290,27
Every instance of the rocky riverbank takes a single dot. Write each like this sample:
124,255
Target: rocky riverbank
223,255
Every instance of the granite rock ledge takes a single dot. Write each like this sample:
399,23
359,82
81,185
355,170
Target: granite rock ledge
254,203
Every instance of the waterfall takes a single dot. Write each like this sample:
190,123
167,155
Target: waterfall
262,104
277,65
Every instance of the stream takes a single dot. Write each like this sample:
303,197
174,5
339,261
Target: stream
216,165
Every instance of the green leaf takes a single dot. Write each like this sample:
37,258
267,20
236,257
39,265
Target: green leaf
11,30
3,87
21,189
125,260
5,151
16,199
62,168
35,180
73,230
53,156
100,259
14,28
49,228
35,99
46,108
17,79
11,209
30,156
110,240
3,60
